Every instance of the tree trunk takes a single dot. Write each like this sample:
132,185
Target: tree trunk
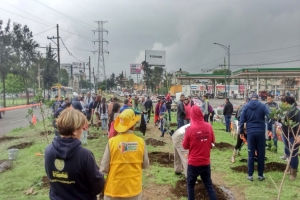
4,91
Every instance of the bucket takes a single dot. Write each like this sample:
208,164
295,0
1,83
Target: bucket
13,154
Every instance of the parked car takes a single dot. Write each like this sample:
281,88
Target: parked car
221,95
210,96
235,107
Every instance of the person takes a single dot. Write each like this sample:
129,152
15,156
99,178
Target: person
112,117
83,106
56,104
164,123
204,107
227,112
136,102
88,99
253,114
163,107
110,105
130,99
148,107
71,169
169,105
143,109
66,100
239,140
271,122
126,105
62,108
187,108
95,109
157,111
124,158
180,154
104,116
191,101
199,139
1,112
77,105
211,114
291,134
180,112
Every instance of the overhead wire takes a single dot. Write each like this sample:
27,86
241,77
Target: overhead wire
238,54
44,31
69,51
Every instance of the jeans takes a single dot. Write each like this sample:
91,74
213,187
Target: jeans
204,172
288,146
227,121
180,122
104,124
206,116
275,139
169,112
145,117
149,114
256,141
186,121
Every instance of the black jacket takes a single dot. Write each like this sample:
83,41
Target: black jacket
72,170
294,115
168,103
148,104
228,109
180,110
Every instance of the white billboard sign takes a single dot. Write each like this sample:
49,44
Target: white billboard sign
135,68
156,57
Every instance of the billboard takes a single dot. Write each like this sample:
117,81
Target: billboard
135,68
156,57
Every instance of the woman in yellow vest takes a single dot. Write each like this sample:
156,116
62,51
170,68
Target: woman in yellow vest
124,158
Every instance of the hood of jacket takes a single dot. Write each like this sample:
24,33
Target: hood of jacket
65,148
196,115
168,97
253,104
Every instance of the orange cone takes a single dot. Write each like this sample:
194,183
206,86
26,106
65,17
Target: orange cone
33,120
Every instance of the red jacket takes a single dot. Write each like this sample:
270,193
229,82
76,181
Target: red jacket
187,108
198,139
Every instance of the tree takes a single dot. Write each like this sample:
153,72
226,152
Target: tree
24,47
50,69
13,84
103,88
5,54
64,76
84,84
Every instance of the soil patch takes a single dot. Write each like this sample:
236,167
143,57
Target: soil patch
223,145
164,159
154,142
269,167
173,124
43,133
21,146
200,192
92,136
5,165
4,138
45,182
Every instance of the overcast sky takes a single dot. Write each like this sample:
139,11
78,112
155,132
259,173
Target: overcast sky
185,29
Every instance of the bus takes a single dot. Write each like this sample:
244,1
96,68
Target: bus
63,92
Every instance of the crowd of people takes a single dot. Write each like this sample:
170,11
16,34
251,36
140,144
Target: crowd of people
70,167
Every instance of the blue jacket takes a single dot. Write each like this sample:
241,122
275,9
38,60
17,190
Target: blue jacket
77,105
163,109
253,114
128,107
72,170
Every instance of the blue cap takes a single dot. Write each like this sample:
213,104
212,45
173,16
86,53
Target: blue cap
254,96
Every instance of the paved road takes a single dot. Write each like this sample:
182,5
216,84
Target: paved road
16,119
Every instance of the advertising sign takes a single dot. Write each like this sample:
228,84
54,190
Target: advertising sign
156,57
135,68
194,87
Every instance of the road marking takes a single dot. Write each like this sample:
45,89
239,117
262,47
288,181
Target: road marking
16,121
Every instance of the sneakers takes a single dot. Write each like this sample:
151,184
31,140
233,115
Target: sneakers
250,178
261,178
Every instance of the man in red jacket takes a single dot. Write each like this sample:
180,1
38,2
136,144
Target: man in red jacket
199,138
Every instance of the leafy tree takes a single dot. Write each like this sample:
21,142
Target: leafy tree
84,84
13,84
103,88
24,47
6,52
131,82
64,76
50,69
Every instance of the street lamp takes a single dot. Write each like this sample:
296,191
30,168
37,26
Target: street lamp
227,49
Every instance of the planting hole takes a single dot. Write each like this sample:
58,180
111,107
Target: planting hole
165,159
5,165
269,167
154,142
21,146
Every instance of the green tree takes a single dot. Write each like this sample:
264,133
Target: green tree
83,84
6,52
50,69
103,88
64,76
13,84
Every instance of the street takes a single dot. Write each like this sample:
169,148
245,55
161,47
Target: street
16,119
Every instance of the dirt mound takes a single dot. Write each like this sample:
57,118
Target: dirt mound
21,146
45,182
165,159
180,190
4,138
5,165
223,145
43,133
154,142
269,167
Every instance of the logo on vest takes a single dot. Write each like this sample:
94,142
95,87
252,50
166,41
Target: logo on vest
127,146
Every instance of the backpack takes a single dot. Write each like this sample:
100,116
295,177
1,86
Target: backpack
210,109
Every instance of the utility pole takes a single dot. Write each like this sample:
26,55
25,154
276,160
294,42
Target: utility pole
58,50
94,80
90,74
101,64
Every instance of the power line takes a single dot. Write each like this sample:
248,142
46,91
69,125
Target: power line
274,63
84,37
44,31
205,64
76,20
265,51
69,51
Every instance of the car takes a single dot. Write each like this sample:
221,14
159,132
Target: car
210,96
221,95
197,102
235,107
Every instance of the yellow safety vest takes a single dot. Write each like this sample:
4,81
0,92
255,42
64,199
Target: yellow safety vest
125,173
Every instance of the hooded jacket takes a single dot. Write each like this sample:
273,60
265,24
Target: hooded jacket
72,170
77,105
228,109
180,110
253,114
198,139
148,104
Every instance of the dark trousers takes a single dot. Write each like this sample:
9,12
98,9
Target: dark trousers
256,141
227,121
288,145
180,122
206,117
149,114
204,172
169,112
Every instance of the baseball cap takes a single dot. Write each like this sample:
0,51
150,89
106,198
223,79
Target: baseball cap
254,96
